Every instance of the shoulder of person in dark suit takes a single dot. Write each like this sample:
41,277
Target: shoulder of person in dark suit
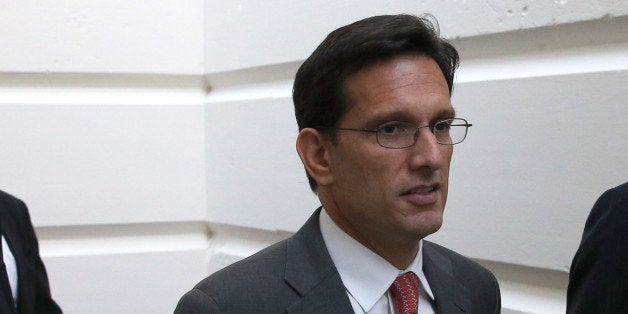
33,287
16,211
598,279
253,277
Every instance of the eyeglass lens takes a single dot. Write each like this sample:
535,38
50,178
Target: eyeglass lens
398,134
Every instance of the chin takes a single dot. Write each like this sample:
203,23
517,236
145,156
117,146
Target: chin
429,225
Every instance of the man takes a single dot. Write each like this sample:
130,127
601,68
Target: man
23,280
598,280
376,133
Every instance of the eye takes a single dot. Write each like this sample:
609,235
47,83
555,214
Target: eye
442,126
395,127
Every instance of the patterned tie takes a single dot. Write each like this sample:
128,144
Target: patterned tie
405,291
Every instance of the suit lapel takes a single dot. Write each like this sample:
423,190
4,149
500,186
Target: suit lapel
311,272
450,295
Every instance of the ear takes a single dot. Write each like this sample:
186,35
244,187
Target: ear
313,149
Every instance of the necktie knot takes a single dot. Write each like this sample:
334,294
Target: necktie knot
405,291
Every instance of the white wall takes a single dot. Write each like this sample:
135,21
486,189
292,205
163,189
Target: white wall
154,141
102,132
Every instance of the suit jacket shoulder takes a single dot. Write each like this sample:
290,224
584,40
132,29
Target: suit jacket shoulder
459,284
243,286
33,288
598,278
294,276
14,210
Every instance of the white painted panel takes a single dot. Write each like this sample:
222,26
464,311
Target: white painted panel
230,244
137,283
541,150
256,33
528,289
254,175
164,36
99,88
97,164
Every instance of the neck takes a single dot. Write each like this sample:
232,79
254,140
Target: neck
397,250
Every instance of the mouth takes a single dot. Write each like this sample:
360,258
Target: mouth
422,195
421,190
426,189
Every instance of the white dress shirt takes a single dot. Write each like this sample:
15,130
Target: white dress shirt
9,262
366,275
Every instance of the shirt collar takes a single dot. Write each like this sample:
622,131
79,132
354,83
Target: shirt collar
366,275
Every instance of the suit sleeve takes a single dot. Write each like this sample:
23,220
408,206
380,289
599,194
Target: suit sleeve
196,302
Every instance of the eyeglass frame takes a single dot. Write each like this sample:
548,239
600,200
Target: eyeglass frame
416,134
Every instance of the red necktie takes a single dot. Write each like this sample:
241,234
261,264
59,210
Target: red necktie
405,291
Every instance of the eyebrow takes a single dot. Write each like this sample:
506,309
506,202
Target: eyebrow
404,114
446,114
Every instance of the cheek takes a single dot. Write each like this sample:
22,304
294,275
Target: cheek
371,174
447,153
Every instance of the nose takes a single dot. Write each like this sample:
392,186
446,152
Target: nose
427,153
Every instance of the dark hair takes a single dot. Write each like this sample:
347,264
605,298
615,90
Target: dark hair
318,91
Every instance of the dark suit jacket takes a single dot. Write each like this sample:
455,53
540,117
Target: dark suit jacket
33,290
598,279
297,275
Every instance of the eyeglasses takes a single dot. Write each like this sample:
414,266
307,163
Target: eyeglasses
398,134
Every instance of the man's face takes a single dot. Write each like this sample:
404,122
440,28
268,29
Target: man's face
378,194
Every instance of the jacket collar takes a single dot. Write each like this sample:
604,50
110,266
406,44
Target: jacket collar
312,274
450,295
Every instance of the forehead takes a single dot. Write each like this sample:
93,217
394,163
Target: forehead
412,85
